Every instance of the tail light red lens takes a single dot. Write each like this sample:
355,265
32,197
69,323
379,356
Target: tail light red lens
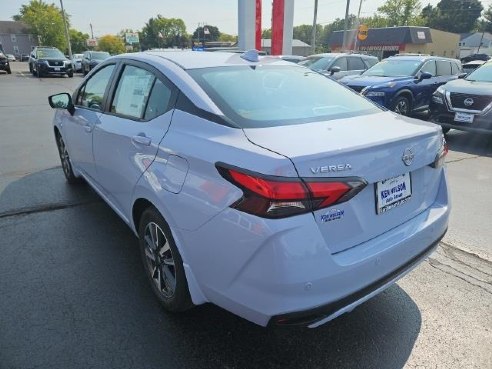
441,155
280,197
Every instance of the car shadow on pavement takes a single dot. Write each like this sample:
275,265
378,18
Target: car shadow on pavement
74,295
470,143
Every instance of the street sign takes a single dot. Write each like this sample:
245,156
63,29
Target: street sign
132,38
362,33
92,42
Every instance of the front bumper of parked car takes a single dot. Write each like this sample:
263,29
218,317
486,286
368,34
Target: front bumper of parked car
442,113
48,68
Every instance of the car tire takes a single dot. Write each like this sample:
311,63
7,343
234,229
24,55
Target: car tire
70,74
162,262
85,72
65,161
9,71
402,105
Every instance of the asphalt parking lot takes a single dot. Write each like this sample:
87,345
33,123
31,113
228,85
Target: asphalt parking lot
73,293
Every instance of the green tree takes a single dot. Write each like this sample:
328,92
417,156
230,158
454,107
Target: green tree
212,35
225,37
401,12
78,41
457,16
487,23
46,21
266,33
112,44
163,32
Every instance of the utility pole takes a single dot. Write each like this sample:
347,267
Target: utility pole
358,24
313,34
67,35
92,31
345,26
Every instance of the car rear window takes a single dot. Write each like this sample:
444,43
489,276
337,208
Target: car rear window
266,96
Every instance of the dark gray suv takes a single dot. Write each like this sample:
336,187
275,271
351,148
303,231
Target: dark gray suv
339,65
465,104
48,60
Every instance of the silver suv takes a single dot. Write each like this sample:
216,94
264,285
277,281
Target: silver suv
339,65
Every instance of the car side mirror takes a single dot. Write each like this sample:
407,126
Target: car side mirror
62,101
462,75
425,75
334,70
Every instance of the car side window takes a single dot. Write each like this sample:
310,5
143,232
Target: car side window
92,93
370,62
455,69
443,68
355,63
429,67
340,62
159,100
132,92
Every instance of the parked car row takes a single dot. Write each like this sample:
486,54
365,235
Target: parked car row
47,60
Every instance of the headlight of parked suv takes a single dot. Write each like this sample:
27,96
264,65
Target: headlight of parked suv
438,95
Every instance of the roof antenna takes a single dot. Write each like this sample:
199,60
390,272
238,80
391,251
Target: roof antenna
251,55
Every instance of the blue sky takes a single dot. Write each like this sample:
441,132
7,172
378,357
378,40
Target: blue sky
110,16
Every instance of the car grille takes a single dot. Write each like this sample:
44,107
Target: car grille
357,88
480,102
55,63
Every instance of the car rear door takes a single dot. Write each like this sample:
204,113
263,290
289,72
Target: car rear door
77,129
127,139
444,72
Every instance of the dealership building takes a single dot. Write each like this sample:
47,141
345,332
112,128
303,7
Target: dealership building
384,42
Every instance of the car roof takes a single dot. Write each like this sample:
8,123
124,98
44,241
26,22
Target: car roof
199,59
324,55
420,57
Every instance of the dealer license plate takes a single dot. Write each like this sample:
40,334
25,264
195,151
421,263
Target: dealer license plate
393,192
463,117
57,69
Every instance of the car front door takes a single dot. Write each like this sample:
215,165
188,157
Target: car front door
78,129
127,140
423,89
340,62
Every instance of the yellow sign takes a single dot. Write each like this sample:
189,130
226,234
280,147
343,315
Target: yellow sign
362,34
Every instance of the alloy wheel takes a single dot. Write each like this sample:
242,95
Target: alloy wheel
159,260
64,158
402,107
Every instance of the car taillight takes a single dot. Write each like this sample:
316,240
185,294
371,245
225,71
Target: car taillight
441,154
280,197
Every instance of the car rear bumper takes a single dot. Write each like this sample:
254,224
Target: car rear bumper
273,272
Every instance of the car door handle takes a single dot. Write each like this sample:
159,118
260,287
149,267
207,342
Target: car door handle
141,140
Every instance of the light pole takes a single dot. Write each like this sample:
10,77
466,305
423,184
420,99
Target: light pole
66,31
345,26
313,34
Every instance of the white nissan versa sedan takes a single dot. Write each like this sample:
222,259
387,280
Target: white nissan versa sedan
253,183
